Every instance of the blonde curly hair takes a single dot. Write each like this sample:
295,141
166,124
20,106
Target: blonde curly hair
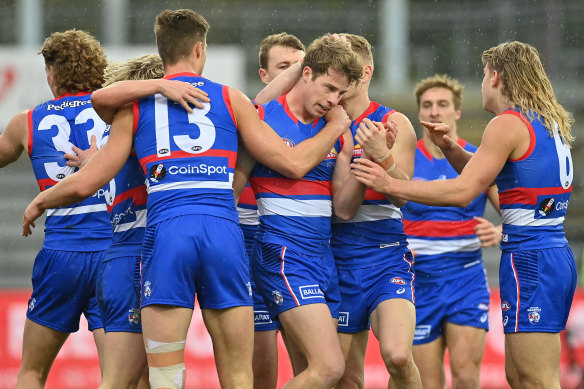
144,67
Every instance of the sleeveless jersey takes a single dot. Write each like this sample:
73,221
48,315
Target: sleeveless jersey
127,210
54,128
443,237
377,222
247,208
534,191
294,213
188,158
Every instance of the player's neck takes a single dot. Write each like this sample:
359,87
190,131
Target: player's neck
183,67
295,101
356,105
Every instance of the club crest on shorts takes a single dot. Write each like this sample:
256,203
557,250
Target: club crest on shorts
534,314
147,290
505,306
277,296
134,316
31,304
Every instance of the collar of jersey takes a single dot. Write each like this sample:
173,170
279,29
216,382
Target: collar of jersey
183,74
67,94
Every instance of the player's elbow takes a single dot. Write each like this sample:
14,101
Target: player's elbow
294,171
344,215
462,199
83,191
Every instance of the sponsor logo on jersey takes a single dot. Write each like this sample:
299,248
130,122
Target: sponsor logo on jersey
562,205
118,217
422,331
134,316
147,290
546,206
198,169
157,172
343,319
67,104
262,317
533,313
277,296
505,306
310,292
397,281
31,304
332,154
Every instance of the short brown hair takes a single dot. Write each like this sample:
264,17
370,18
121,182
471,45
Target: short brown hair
329,52
77,59
282,39
440,81
144,67
361,46
177,32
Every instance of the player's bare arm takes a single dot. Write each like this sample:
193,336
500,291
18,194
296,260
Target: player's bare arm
348,193
267,147
107,100
14,139
400,162
280,85
243,167
100,169
503,138
457,156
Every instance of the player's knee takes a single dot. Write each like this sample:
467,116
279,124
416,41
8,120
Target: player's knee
397,361
351,380
330,370
465,381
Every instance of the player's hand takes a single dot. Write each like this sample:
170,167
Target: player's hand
31,213
81,157
439,134
339,117
183,93
371,174
391,128
488,234
372,136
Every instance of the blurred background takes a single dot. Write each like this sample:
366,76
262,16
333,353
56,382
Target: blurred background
411,40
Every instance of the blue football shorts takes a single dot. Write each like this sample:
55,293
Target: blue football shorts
198,255
364,288
537,289
118,294
461,299
262,319
288,278
63,284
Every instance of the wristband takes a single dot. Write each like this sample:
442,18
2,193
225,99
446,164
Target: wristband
391,168
384,158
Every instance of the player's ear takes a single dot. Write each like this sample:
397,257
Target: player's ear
307,73
199,49
264,76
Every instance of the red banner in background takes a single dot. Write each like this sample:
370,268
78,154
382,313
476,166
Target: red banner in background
77,362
